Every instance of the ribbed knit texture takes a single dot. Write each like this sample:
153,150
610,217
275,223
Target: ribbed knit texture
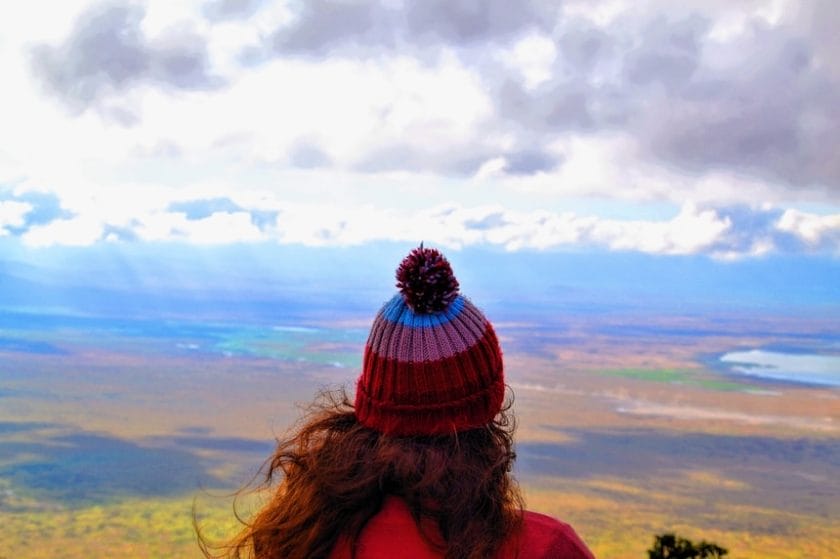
430,374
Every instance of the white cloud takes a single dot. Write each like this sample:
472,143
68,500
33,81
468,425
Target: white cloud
12,214
76,231
691,231
209,214
532,56
221,228
811,228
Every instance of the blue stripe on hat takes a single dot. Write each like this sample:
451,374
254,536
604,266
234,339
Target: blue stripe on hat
398,312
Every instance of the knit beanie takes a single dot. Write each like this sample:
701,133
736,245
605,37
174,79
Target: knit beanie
432,364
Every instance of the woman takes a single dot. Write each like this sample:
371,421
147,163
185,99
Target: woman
419,466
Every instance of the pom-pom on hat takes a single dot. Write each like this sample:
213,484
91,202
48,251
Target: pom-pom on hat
432,362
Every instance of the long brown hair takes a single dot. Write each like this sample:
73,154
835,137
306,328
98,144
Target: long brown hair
332,474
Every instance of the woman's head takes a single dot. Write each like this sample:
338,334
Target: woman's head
428,426
333,473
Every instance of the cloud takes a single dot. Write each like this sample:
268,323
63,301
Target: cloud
358,27
527,107
322,25
75,231
456,160
812,229
22,211
729,232
307,155
758,102
202,209
533,57
45,207
757,98
221,10
488,222
668,53
773,115
693,230
218,228
466,21
753,232
203,221
12,215
107,54
530,161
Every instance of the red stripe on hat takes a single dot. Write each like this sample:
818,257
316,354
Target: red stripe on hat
462,391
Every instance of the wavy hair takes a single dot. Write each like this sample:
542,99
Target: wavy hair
332,474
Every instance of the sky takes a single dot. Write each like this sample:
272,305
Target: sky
706,127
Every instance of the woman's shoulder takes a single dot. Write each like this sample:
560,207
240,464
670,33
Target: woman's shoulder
545,537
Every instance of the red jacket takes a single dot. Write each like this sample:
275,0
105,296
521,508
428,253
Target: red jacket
393,534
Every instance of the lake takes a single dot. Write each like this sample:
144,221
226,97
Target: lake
808,368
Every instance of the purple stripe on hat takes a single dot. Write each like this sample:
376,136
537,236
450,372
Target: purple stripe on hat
444,339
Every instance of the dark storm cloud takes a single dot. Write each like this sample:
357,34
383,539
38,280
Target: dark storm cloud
322,25
668,54
764,105
463,161
777,118
582,45
221,10
367,28
107,53
105,50
467,21
762,102
557,106
773,115
601,78
531,161
358,26
459,162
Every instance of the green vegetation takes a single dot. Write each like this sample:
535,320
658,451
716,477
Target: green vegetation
322,347
676,376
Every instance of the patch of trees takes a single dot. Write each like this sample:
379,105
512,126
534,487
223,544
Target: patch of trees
670,546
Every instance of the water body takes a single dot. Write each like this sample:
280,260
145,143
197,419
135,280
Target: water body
808,368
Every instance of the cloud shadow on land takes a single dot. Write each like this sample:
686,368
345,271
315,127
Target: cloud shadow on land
785,474
11,427
76,468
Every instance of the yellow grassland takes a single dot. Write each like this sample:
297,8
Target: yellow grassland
616,519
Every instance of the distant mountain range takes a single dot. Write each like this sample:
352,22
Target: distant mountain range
127,279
